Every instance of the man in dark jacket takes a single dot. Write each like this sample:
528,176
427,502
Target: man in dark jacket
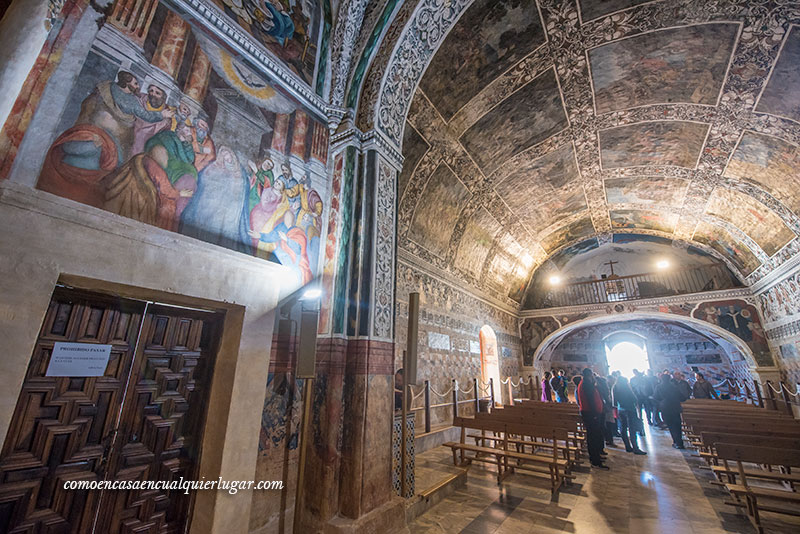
591,406
702,388
683,385
669,400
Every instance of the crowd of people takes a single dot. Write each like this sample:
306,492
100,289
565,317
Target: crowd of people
612,406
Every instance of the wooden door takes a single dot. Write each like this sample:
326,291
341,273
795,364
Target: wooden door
143,420
162,420
62,425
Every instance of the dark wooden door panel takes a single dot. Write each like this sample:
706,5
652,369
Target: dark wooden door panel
57,431
161,428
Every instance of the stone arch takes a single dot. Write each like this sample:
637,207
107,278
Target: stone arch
699,324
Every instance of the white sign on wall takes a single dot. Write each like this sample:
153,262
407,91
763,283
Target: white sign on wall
78,359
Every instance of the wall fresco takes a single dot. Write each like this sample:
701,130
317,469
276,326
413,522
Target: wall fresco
675,65
652,143
287,28
178,133
643,219
740,319
490,38
780,96
527,117
752,217
646,190
437,212
534,331
728,245
781,300
771,163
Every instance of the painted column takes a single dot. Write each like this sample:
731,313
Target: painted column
350,488
299,134
171,44
319,143
197,83
133,18
280,133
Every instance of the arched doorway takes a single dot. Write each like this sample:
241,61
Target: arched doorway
625,352
490,364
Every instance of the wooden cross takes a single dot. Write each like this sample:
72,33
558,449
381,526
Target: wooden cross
611,263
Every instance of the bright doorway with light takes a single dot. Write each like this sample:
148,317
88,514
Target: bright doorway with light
625,356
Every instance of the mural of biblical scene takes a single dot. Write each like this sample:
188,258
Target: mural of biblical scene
508,274
468,60
476,242
563,256
534,331
592,9
740,319
437,212
287,28
729,246
677,65
527,117
781,300
780,96
772,163
789,351
646,190
567,234
675,143
173,131
643,219
414,148
752,217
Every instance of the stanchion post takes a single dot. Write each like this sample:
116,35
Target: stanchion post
427,406
771,396
491,394
757,390
786,402
455,400
477,395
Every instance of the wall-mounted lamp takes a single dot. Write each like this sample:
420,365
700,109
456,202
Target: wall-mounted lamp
554,280
662,264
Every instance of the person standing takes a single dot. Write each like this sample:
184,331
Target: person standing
702,388
547,393
558,384
683,385
625,400
608,410
649,389
669,402
591,407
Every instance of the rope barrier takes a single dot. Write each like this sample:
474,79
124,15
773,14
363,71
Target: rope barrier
449,391
467,391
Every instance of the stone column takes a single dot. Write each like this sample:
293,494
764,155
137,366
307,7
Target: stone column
171,44
350,489
299,135
280,133
197,83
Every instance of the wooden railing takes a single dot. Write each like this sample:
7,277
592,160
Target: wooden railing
637,286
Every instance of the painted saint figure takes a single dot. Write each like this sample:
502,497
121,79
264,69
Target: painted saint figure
100,140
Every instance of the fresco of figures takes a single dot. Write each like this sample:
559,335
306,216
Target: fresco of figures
288,28
781,300
174,131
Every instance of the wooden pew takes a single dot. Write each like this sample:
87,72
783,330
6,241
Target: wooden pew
570,448
754,496
710,439
551,465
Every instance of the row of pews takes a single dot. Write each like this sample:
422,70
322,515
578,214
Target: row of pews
751,452
534,437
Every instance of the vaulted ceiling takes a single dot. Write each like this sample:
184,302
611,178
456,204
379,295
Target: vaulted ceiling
538,125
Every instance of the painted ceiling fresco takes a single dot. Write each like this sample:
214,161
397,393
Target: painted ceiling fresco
657,118
287,28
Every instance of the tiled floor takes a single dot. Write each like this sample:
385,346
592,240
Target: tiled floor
663,492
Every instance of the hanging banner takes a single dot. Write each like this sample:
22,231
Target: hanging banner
78,359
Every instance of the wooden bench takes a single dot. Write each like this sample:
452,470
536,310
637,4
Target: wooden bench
725,472
539,464
570,448
754,496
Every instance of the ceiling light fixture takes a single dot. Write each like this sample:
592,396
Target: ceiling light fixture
555,280
662,264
